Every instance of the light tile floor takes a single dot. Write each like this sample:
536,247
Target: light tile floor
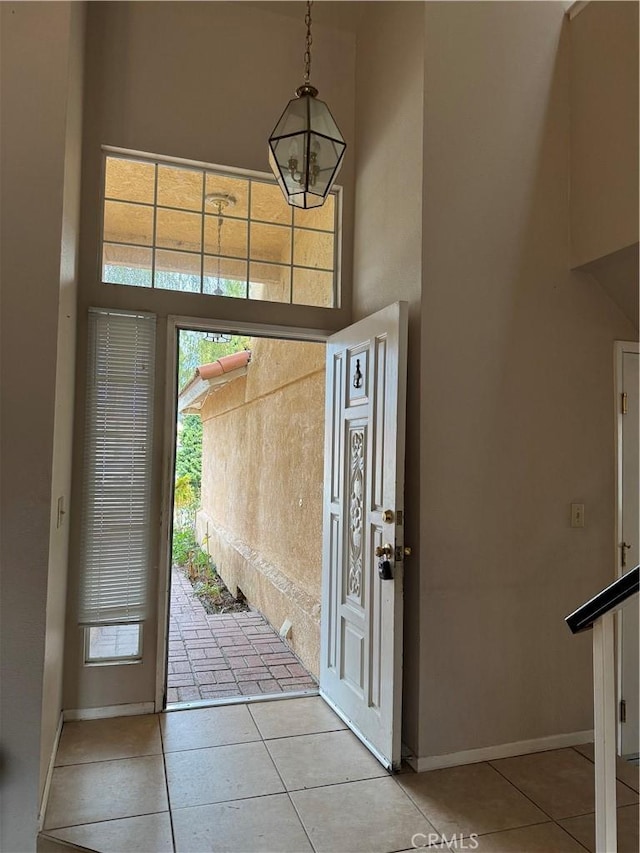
287,776
228,654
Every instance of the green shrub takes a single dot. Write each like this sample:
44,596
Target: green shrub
183,546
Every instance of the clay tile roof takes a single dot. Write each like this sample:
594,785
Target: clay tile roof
208,376
224,365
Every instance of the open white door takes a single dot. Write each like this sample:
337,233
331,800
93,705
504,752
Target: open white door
628,552
361,645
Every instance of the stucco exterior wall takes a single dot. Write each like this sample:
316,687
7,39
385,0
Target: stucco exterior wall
262,472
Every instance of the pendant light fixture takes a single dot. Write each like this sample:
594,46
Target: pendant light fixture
306,148
220,201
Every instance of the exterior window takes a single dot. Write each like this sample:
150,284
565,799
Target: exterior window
115,514
202,230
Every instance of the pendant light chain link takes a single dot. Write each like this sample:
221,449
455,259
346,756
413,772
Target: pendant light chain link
309,42
218,291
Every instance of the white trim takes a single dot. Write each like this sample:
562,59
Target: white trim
47,782
502,750
130,710
575,8
195,396
376,754
241,700
198,324
256,330
604,723
619,349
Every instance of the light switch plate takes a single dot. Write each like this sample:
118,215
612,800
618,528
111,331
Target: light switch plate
577,515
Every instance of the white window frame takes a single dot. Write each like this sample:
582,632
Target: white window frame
113,587
230,172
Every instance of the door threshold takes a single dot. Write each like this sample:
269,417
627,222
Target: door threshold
240,700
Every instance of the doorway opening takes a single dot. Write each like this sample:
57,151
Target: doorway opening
246,541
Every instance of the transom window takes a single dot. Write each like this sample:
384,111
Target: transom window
201,230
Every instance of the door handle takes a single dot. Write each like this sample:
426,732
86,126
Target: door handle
623,554
385,551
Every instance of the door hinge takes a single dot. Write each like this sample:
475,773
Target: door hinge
624,403
623,711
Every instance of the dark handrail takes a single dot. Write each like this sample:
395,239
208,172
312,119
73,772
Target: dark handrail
611,597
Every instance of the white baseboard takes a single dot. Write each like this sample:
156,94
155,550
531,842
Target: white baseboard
47,781
109,711
502,750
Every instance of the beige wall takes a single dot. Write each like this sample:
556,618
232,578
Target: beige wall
262,474
154,84
516,387
65,390
388,244
604,130
40,134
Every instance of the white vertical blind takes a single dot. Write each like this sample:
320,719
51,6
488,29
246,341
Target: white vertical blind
117,467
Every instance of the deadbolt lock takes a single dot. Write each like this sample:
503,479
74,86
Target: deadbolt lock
387,516
384,550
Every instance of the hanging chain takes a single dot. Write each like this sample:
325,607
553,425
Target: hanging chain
218,291
307,52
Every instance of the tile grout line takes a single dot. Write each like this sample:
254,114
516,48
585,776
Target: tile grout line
413,802
551,818
513,785
286,790
166,784
618,780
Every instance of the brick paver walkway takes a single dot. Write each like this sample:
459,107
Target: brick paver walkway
229,654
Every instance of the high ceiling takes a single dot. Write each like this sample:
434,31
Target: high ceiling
337,14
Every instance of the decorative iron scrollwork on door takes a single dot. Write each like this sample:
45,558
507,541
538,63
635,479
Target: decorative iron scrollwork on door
357,376
356,512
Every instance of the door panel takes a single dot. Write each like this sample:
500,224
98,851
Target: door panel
361,646
628,617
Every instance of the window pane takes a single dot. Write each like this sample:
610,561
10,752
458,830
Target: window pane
126,265
313,287
180,187
128,223
115,520
270,283
177,230
317,217
129,180
113,641
172,209
312,249
233,237
177,271
268,203
236,187
232,281
270,243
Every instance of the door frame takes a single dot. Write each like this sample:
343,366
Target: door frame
175,323
620,348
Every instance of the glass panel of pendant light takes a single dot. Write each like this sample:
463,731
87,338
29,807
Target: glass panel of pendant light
305,151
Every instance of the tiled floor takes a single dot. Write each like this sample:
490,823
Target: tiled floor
234,654
287,776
